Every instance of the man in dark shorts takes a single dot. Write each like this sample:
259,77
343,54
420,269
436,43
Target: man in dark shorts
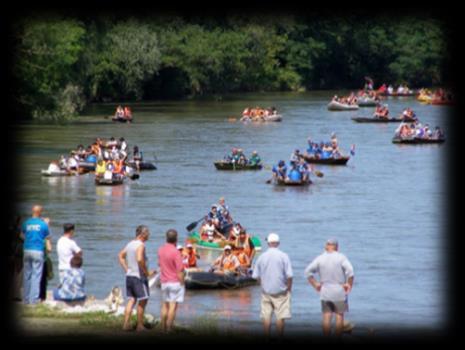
134,262
336,280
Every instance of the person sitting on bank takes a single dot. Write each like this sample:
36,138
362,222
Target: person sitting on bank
226,263
254,159
72,288
280,171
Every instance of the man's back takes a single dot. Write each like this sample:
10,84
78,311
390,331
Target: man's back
273,268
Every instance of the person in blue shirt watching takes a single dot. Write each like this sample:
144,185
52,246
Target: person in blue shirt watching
36,237
72,287
280,171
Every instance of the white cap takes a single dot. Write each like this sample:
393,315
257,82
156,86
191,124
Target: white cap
179,246
227,247
272,238
189,245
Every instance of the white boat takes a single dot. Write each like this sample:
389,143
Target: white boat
337,106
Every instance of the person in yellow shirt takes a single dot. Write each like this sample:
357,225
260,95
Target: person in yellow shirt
100,168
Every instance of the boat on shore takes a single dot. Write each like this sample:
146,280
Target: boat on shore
326,161
223,165
380,120
212,280
337,106
417,140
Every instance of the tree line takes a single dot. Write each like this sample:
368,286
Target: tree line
63,63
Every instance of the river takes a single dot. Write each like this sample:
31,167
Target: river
385,207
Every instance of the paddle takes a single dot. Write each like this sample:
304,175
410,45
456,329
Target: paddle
192,225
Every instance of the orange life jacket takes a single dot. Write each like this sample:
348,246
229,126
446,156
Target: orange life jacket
192,259
227,263
245,244
243,258
118,166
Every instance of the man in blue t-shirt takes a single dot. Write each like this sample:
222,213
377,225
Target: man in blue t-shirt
36,233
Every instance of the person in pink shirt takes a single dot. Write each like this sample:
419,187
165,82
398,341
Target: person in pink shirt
171,278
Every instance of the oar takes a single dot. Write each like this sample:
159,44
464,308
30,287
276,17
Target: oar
192,225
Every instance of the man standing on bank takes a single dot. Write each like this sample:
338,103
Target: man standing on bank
171,278
273,269
336,280
134,262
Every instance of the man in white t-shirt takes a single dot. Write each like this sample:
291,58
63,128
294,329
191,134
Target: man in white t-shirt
66,249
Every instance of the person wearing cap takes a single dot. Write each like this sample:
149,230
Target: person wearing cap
254,159
66,250
274,271
226,262
336,277
280,171
208,232
192,256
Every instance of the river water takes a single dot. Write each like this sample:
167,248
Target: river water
385,207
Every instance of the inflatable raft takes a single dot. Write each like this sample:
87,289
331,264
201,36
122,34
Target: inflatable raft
336,106
326,161
211,280
194,237
417,140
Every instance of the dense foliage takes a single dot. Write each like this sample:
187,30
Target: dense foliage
63,63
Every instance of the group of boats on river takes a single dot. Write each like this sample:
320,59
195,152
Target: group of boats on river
109,160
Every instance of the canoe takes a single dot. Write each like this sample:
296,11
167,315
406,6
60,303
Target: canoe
121,120
108,182
56,173
88,166
336,106
222,165
380,120
416,140
194,237
292,183
269,118
367,102
395,94
143,165
211,280
442,102
327,161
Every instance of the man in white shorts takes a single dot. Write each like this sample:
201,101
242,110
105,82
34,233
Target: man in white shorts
171,278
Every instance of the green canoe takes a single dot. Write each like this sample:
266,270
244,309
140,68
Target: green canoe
195,238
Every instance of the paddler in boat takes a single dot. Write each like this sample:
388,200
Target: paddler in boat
119,114
226,263
280,171
53,167
192,256
244,261
254,159
137,157
242,160
294,173
245,241
295,156
304,169
100,168
209,233
72,164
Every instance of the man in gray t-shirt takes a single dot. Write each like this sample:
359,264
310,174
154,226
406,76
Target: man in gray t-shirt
336,280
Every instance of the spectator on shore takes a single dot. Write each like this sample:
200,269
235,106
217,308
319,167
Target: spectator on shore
274,271
72,287
133,259
171,278
66,250
36,233
336,280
